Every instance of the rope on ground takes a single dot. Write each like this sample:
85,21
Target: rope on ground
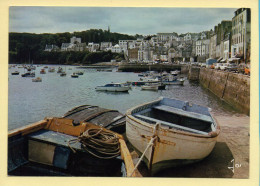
101,144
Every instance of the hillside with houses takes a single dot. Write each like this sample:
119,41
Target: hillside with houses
228,39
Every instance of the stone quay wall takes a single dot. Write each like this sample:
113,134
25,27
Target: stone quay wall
233,88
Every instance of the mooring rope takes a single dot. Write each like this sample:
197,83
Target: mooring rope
101,144
156,128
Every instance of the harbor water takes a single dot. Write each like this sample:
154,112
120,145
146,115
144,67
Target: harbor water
29,101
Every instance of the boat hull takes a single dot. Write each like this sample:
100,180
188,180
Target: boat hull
113,89
171,148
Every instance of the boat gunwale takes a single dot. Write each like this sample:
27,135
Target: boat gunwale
129,114
124,151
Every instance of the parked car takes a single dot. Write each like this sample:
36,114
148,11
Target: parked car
232,67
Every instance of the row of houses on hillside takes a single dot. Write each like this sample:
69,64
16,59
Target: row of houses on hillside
229,39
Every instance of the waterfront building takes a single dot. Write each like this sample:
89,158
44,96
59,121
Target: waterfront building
133,54
163,37
93,47
213,44
75,40
116,49
202,47
104,46
66,47
51,48
241,31
187,37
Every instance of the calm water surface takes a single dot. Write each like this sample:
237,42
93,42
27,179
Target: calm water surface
29,101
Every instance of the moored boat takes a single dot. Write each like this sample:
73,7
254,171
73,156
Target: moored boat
107,118
28,74
177,132
74,75
63,74
58,147
43,71
113,87
150,86
38,79
179,81
15,73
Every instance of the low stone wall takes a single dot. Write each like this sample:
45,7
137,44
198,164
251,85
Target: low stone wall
233,88
144,67
194,73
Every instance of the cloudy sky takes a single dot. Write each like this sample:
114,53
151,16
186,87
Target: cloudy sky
122,20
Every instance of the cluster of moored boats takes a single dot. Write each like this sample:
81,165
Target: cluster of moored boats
30,72
149,81
89,140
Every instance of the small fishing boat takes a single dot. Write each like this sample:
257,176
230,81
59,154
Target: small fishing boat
60,70
51,69
113,87
146,80
170,132
43,71
107,118
175,72
150,86
79,73
28,74
179,81
58,147
38,79
15,73
74,75
63,74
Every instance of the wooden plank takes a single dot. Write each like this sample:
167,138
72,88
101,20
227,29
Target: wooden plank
185,113
28,128
127,159
171,125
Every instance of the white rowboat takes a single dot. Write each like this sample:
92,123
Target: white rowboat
182,133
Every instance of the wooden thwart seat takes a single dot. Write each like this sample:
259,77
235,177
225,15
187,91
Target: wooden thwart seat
184,113
171,124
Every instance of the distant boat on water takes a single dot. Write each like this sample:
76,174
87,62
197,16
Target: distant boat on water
15,73
74,75
28,74
113,87
38,79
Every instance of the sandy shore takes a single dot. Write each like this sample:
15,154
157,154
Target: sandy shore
232,144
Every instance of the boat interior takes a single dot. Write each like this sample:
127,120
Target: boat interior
48,152
182,118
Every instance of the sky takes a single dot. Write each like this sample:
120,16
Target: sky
144,21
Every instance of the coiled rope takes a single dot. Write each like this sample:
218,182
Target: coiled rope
101,144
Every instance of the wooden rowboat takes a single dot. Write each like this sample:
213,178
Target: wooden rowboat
107,118
56,147
177,132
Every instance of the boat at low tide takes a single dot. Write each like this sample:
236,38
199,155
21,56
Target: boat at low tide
113,87
150,86
38,79
28,74
170,132
60,146
15,73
